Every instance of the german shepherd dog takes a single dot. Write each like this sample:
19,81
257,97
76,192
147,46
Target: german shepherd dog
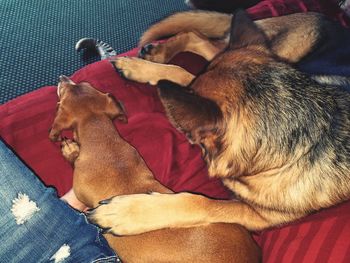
277,138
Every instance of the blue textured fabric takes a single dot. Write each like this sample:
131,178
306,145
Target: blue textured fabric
37,37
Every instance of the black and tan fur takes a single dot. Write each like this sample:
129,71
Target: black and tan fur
278,139
292,37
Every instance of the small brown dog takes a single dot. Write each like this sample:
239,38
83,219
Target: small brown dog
105,165
277,138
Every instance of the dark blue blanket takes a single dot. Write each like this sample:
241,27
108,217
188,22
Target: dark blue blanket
332,59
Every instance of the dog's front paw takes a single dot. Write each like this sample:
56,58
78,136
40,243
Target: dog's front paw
54,135
154,52
129,214
136,69
70,150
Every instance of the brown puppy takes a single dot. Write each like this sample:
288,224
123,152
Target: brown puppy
106,165
279,140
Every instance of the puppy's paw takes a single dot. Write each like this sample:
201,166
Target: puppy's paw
136,69
54,135
154,52
70,150
129,214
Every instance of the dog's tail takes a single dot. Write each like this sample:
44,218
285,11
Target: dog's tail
334,80
210,24
103,49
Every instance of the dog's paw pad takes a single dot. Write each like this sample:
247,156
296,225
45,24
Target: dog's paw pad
146,50
154,53
122,65
133,68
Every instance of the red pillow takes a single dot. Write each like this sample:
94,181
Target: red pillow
321,237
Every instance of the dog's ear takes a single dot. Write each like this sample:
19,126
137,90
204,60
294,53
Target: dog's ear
244,32
63,120
115,109
196,116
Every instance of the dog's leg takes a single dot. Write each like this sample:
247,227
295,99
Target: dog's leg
70,150
134,214
143,71
186,41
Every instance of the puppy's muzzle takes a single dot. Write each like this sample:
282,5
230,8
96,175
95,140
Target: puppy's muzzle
62,81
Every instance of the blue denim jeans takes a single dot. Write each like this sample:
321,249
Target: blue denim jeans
36,226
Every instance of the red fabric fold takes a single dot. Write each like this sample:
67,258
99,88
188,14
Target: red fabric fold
330,8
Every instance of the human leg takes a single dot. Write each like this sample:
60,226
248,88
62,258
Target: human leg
35,226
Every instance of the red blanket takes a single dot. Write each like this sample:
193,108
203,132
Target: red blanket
272,8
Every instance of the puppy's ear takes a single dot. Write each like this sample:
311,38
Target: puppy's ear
115,109
244,32
63,120
196,116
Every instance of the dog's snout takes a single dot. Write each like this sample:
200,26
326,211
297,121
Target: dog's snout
62,82
64,78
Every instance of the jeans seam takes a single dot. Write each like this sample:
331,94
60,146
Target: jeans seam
107,258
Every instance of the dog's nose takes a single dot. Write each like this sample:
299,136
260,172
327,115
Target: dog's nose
64,81
63,78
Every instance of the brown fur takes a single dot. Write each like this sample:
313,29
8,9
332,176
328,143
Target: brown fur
105,165
292,37
278,139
